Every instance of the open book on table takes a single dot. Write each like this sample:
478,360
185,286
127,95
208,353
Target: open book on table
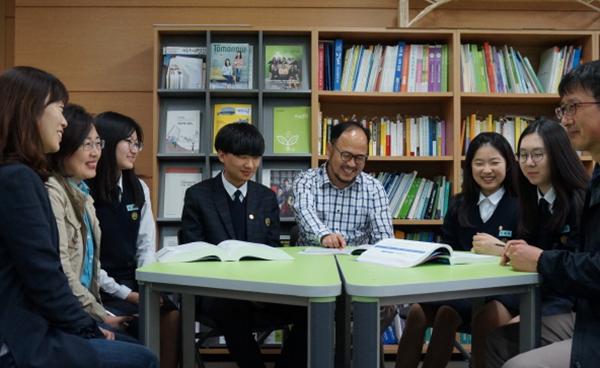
408,253
227,250
354,250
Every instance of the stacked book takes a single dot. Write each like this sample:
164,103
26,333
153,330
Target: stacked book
416,198
401,67
395,136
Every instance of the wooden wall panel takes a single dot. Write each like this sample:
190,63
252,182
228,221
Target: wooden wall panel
137,105
3,35
215,3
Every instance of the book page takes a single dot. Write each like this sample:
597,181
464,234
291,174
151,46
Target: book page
459,257
237,250
404,253
354,250
189,252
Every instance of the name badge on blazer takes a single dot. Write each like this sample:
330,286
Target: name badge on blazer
566,229
132,207
505,233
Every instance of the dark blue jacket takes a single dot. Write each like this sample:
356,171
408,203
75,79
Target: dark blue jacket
578,274
206,216
41,321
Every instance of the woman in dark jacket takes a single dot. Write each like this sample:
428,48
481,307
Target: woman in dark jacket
42,324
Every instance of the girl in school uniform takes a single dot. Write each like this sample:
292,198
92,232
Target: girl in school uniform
552,183
122,203
479,219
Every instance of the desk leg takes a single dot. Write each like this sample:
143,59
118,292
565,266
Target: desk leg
365,334
150,317
529,327
342,331
188,330
320,333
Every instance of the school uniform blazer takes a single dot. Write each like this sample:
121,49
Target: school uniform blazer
72,244
41,321
206,216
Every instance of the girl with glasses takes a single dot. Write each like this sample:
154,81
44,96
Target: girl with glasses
478,217
122,203
552,184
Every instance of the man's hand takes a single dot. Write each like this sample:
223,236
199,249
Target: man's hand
117,322
133,297
484,243
522,256
108,335
333,241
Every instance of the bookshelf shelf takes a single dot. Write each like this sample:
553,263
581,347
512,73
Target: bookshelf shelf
403,158
181,92
382,97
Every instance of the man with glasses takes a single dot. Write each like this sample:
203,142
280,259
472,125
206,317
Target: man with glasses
572,273
337,204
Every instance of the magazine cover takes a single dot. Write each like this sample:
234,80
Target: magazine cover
291,129
280,181
230,113
231,66
283,66
183,131
183,67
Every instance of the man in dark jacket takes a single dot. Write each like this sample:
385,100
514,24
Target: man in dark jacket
578,273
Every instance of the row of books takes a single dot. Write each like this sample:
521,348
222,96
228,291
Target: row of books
396,136
384,68
487,68
231,66
291,127
416,198
510,126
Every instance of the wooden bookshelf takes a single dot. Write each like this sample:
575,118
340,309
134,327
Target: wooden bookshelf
451,105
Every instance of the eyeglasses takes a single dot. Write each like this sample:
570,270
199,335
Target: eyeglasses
536,156
139,146
347,156
90,145
570,109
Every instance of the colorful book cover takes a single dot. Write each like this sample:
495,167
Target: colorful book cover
280,182
177,180
283,66
182,131
183,67
291,129
230,113
338,50
231,66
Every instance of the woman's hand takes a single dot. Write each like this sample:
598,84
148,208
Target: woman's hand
108,335
117,322
484,243
133,297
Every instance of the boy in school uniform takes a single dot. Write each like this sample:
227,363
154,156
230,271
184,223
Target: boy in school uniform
572,273
337,204
231,206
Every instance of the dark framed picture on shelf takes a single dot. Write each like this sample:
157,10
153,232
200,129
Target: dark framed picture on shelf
182,133
280,181
231,66
283,66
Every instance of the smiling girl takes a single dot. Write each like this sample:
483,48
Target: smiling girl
482,213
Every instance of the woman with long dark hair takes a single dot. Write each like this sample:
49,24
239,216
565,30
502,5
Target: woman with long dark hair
122,203
42,323
552,184
477,219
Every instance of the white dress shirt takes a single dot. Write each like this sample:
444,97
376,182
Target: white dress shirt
146,245
550,197
231,189
487,205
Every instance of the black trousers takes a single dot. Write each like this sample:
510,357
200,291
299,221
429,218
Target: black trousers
238,319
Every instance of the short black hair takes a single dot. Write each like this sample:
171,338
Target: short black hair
586,77
240,139
338,129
